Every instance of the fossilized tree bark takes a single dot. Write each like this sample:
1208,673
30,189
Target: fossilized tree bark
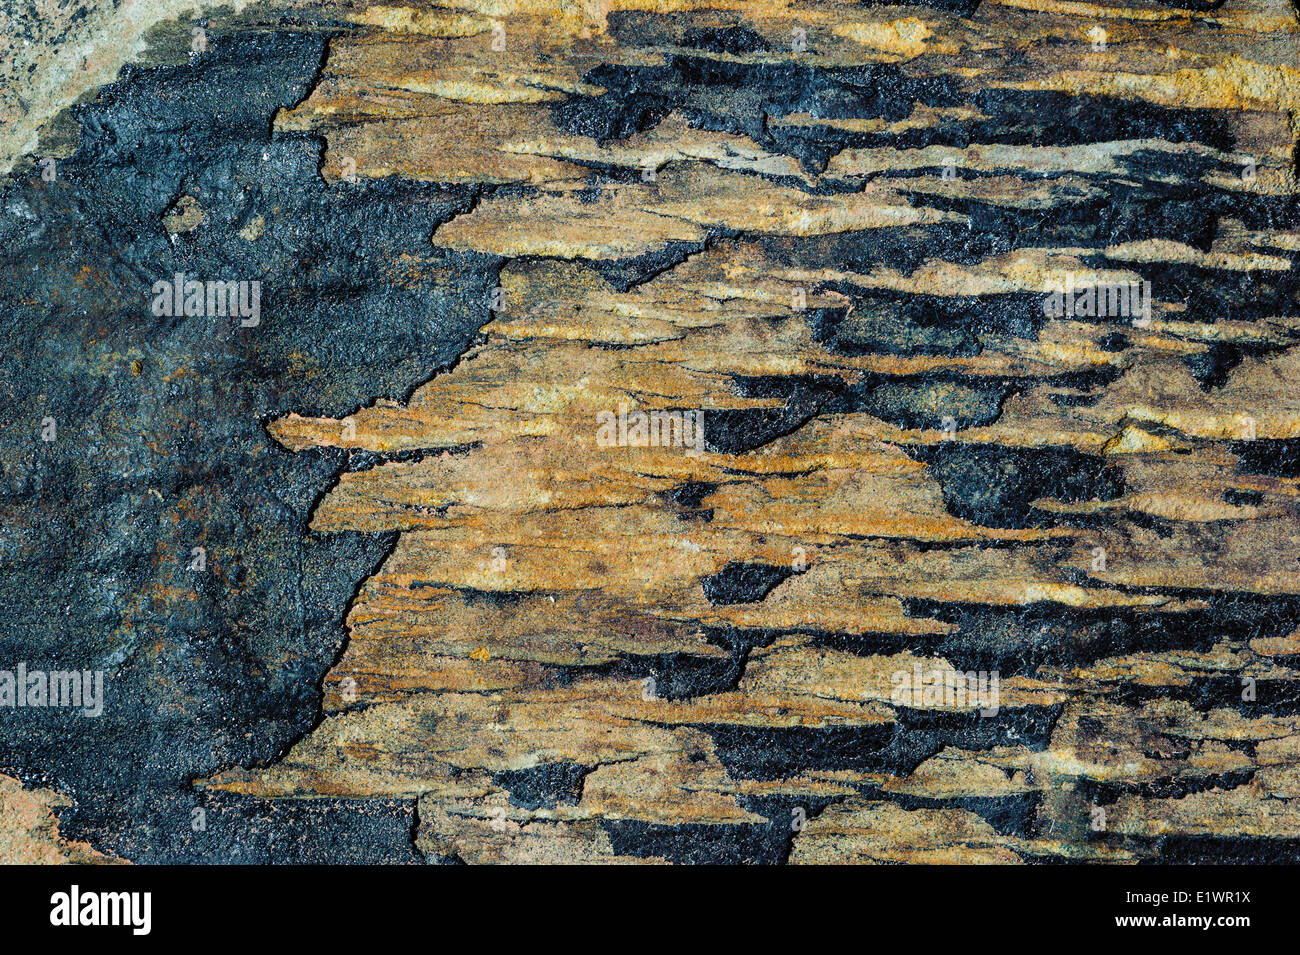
691,214
829,228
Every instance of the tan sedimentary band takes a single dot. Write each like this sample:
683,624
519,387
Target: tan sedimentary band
29,832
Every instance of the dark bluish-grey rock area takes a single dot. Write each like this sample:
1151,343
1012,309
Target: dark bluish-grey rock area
159,446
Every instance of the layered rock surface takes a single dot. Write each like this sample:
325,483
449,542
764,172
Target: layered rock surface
827,229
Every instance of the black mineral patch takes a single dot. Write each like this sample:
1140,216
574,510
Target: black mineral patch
996,485
211,658
1268,456
931,401
1018,639
758,752
736,40
544,786
739,583
697,843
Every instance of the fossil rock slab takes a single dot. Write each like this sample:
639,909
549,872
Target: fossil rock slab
800,433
